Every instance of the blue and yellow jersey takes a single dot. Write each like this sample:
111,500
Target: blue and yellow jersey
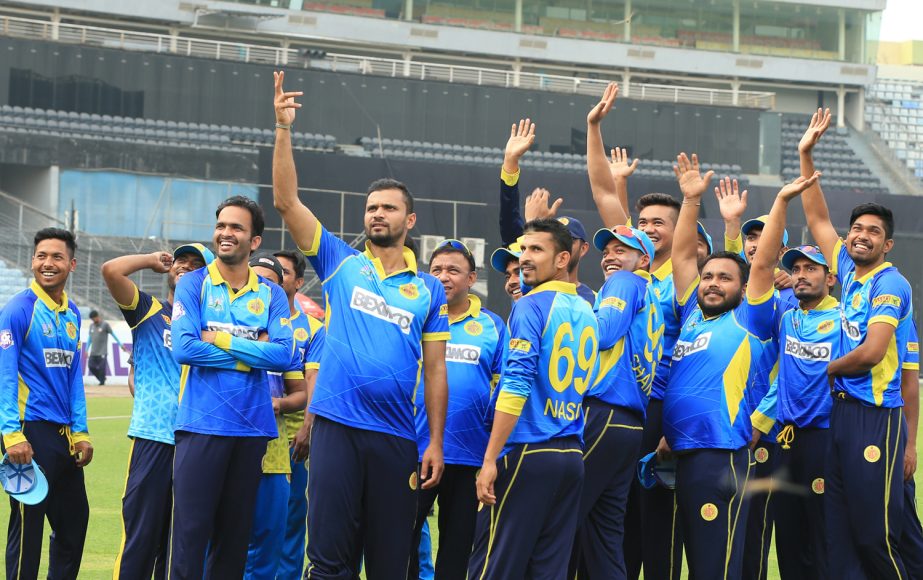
715,361
40,377
223,386
550,364
153,415
912,358
309,340
800,395
630,340
376,323
474,360
662,284
881,296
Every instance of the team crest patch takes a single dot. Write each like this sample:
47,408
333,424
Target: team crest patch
301,334
473,327
413,481
256,306
761,454
872,453
285,321
444,310
166,319
71,329
825,326
709,512
410,291
856,300
564,220
817,486
6,339
520,344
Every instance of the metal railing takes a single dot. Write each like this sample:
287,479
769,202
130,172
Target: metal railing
277,56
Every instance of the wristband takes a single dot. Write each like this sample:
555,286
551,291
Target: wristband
282,126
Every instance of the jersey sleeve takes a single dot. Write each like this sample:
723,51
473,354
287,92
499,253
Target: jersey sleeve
735,246
186,330
765,415
889,298
684,304
78,400
139,308
617,304
315,347
14,323
526,324
500,354
759,314
511,222
276,353
436,326
842,264
327,252
912,356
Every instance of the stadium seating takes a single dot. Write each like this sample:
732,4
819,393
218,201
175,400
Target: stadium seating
894,110
150,131
11,282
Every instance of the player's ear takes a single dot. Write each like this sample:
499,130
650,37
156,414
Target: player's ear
889,244
255,242
411,220
562,259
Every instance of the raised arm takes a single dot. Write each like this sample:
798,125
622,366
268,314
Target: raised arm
815,206
299,220
763,266
521,138
612,210
732,203
537,206
621,170
692,184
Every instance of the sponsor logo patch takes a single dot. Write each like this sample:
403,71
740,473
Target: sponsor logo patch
6,339
761,454
709,512
58,358
166,319
520,344
462,353
167,339
809,351
256,306
872,453
374,305
71,329
826,326
886,300
913,347
613,302
856,300
684,348
410,291
817,486
474,328
248,332
178,311
851,328
301,334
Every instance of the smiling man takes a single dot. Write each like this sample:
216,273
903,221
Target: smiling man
506,261
43,410
147,500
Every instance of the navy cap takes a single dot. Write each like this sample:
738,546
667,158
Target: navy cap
812,253
760,222
268,261
631,237
576,229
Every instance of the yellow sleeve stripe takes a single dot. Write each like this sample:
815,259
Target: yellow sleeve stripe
761,299
242,367
315,243
510,403
223,340
910,366
735,246
78,437
510,179
134,299
762,422
883,318
436,336
689,291
293,375
312,366
835,263
13,438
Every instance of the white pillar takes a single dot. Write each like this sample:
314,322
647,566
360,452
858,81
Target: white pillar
407,58
408,9
174,34
841,34
286,44
627,21
735,91
840,107
736,26
625,89
55,23
517,68
517,17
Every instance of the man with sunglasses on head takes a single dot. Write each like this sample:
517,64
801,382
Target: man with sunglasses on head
630,333
474,361
386,331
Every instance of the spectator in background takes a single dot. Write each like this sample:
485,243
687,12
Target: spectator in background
97,344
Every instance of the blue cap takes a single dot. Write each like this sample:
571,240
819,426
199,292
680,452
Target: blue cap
26,482
576,229
760,222
631,237
195,248
812,253
502,256
704,234
652,470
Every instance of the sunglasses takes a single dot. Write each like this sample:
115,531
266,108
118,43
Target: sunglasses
455,245
809,249
624,231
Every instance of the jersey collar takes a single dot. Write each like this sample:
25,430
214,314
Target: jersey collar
664,270
292,317
828,303
556,286
47,300
409,259
871,274
474,308
643,274
253,284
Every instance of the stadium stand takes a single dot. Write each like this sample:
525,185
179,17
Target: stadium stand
12,281
894,110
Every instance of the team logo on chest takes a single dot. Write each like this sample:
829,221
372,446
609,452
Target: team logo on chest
474,328
48,329
71,329
856,300
301,334
409,291
256,306
166,319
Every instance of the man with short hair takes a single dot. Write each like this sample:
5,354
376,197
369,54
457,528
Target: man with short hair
43,413
863,488
98,345
154,380
505,260
532,470
230,326
386,329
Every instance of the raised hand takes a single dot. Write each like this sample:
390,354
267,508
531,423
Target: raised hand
691,181
161,262
732,203
283,102
537,205
602,108
820,121
619,166
795,188
522,136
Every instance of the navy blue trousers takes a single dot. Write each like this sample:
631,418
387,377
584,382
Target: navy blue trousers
215,480
612,438
758,533
147,504
65,507
362,499
653,536
529,532
712,501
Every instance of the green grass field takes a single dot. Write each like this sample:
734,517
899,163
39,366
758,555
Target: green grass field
108,419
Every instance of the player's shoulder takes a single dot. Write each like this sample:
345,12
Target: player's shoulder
72,306
489,315
21,304
192,279
890,278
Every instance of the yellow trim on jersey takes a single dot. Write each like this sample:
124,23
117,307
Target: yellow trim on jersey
436,336
312,366
134,299
763,298
883,372
315,243
555,286
835,258
14,438
47,300
79,436
118,559
156,307
23,396
909,366
608,358
242,367
223,340
687,294
183,377
644,274
510,403
510,179
735,378
734,246
664,270
474,309
293,375
883,318
214,275
410,262
761,422
828,303
868,276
